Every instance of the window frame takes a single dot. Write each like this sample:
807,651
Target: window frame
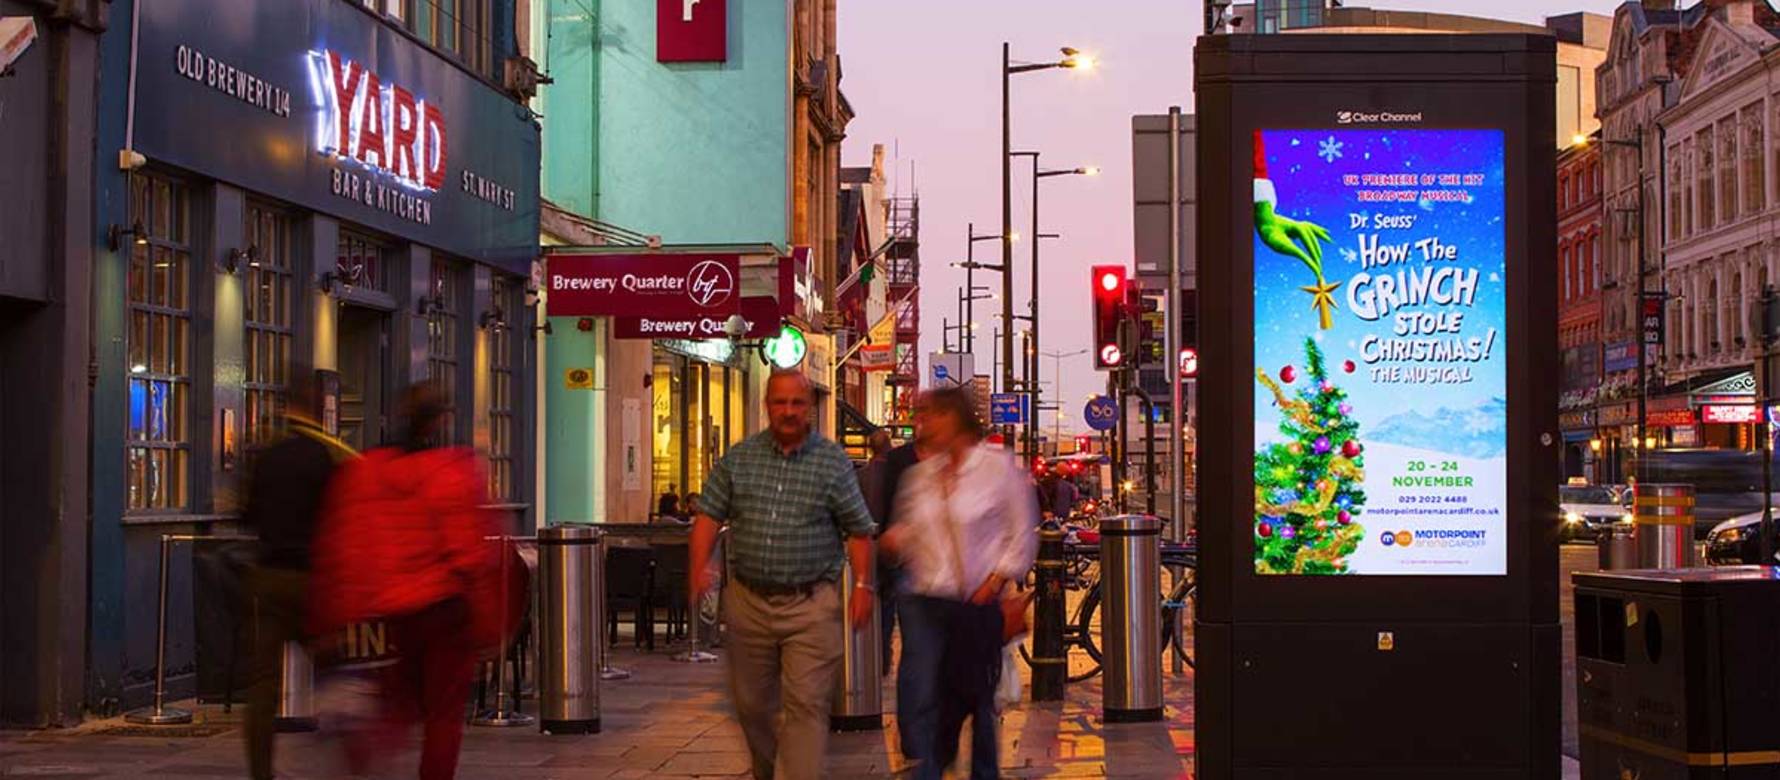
177,444
279,263
444,324
504,365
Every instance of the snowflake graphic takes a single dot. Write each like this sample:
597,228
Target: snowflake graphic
1328,149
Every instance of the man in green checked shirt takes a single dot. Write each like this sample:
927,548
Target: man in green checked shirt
789,497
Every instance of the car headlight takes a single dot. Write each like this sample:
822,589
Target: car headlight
1572,518
1728,536
1626,518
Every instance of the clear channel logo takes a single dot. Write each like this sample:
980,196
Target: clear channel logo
1376,117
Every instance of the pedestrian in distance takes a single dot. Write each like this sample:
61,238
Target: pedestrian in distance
965,530
668,506
795,514
285,492
403,541
883,478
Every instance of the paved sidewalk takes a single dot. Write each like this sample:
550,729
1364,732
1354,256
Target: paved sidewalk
670,720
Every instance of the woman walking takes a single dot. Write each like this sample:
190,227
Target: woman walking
403,541
964,532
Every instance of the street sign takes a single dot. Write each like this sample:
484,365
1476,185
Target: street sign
1007,408
1189,362
950,369
1101,413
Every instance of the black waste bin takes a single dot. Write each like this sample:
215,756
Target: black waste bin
1677,674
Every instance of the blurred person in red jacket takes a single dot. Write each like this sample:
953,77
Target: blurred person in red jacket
403,541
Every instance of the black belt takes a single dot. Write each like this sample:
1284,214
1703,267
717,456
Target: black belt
778,589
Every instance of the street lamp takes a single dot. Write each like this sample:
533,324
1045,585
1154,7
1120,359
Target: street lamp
970,245
1057,385
1031,362
1644,440
1074,60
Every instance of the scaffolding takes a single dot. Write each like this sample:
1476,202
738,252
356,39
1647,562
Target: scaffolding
902,260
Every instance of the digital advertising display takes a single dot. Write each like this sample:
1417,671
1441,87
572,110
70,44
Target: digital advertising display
1380,352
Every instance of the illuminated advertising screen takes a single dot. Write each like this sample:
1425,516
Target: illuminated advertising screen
1380,309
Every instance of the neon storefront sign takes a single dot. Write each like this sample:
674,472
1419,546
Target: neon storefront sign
380,126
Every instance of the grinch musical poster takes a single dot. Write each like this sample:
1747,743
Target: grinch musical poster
1380,400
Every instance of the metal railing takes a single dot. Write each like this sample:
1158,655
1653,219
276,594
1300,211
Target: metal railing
159,714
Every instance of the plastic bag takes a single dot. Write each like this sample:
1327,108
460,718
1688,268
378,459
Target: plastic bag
1009,688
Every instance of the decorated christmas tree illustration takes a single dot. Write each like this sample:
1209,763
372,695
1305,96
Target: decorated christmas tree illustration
1308,496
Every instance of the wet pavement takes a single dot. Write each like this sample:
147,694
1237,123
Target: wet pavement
670,720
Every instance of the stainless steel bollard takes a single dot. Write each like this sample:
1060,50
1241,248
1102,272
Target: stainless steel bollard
1131,623
572,618
1618,547
1664,518
859,698
296,690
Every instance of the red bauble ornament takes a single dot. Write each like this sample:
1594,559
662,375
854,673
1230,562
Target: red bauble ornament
1263,530
1351,448
1343,517
1328,387
1288,375
1348,366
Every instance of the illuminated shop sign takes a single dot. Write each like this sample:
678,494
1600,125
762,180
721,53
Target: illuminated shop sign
381,126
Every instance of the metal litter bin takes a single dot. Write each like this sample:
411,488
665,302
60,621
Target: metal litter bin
571,616
859,698
1131,623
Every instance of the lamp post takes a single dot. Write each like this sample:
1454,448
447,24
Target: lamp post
1057,386
970,245
1031,363
1642,444
1071,59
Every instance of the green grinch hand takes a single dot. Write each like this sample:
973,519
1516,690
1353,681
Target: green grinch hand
1292,237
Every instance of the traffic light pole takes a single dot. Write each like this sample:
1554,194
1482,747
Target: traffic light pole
1177,411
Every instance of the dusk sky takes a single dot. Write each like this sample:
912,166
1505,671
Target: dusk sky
922,76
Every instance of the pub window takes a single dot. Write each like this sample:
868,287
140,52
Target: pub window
441,341
502,476
159,430
360,262
1687,154
459,28
268,316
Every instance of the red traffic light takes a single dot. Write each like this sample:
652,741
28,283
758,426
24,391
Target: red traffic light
1110,287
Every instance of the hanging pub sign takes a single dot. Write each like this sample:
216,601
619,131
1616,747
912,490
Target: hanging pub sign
657,285
761,312
1652,322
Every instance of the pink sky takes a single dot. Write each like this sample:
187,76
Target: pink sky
922,76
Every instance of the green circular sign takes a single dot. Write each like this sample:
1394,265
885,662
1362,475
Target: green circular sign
787,349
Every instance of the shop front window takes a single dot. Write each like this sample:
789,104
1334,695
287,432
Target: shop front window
441,340
267,294
502,485
158,445
665,424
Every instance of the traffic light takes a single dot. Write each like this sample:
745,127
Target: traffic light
1110,283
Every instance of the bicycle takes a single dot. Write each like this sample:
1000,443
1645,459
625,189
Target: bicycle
1081,623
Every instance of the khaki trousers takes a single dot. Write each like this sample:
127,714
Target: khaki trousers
784,658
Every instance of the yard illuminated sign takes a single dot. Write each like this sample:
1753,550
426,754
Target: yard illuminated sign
381,126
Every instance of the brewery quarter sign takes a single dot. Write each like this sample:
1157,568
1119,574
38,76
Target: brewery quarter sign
654,284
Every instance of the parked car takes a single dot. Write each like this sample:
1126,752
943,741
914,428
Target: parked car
1589,508
1738,540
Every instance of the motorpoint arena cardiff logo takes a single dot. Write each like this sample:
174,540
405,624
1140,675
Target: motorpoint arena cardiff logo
1435,537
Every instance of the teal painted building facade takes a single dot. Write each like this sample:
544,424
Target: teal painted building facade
694,153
